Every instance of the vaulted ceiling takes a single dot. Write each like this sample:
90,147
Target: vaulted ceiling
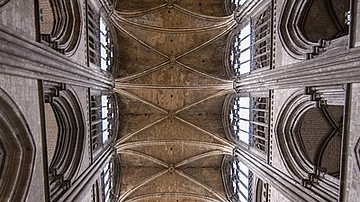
171,84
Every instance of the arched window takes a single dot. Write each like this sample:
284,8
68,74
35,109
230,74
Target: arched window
100,45
240,56
249,46
238,3
241,180
248,120
233,5
106,52
107,181
106,117
102,119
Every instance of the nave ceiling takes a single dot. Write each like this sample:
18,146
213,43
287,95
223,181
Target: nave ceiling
171,84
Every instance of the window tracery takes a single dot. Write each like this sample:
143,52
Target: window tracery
102,117
248,119
262,40
100,47
107,181
241,180
240,55
251,45
238,3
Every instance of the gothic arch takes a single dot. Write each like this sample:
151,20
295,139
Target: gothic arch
246,119
68,153
18,151
117,175
292,150
225,117
294,108
292,33
260,190
66,27
229,7
114,45
239,181
226,175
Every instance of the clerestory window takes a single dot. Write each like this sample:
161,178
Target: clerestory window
101,120
238,3
248,119
100,50
107,182
251,45
106,53
241,179
240,56
106,117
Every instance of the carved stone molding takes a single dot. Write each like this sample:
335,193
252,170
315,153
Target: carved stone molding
357,152
292,36
290,146
69,148
226,175
3,2
18,150
245,10
66,32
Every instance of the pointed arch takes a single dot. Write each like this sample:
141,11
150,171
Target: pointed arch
293,152
68,153
292,33
18,151
66,27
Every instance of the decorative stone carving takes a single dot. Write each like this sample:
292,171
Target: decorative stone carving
18,151
65,35
292,35
357,152
292,153
3,2
68,151
169,3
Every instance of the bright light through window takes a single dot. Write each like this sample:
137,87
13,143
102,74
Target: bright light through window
107,181
105,49
238,2
239,117
240,56
240,180
104,117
